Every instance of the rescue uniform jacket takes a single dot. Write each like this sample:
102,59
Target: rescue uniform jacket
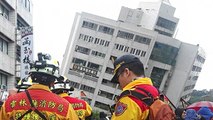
52,106
81,107
131,108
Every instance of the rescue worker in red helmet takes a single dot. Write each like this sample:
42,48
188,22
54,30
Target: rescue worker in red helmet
129,73
62,88
38,102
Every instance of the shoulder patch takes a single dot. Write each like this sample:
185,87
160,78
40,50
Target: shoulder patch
120,108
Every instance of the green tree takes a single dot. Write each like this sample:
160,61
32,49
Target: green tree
201,95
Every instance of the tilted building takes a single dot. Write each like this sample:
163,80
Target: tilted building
147,32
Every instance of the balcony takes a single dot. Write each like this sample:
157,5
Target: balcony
7,64
7,28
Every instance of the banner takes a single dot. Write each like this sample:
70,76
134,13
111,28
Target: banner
26,50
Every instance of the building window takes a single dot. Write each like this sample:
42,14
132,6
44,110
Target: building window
4,12
138,52
102,42
105,94
3,46
19,24
3,79
189,87
164,53
132,51
200,59
108,83
81,36
196,68
101,105
87,88
109,70
162,22
157,76
164,33
194,78
94,66
116,46
99,54
89,25
126,49
106,30
86,37
74,84
18,53
143,53
121,47
82,50
125,35
141,39
79,61
104,81
91,39
96,41
106,44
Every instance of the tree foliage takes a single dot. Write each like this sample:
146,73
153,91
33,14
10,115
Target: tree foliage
201,95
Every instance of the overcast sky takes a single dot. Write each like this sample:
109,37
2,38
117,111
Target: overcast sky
52,22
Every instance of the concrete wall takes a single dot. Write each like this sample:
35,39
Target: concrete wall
185,60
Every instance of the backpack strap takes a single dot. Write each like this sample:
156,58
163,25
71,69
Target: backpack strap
32,108
147,99
145,91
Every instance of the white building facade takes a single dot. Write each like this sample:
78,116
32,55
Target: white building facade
13,14
146,32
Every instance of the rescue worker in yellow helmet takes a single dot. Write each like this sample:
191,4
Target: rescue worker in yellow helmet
38,102
24,83
62,88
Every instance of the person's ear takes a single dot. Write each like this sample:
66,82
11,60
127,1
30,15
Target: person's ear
127,72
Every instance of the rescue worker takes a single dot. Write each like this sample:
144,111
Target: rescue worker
24,83
82,108
129,73
38,102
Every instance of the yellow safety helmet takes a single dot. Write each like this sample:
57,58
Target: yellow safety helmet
45,66
24,83
62,84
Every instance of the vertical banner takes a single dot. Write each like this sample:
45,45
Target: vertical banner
26,50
